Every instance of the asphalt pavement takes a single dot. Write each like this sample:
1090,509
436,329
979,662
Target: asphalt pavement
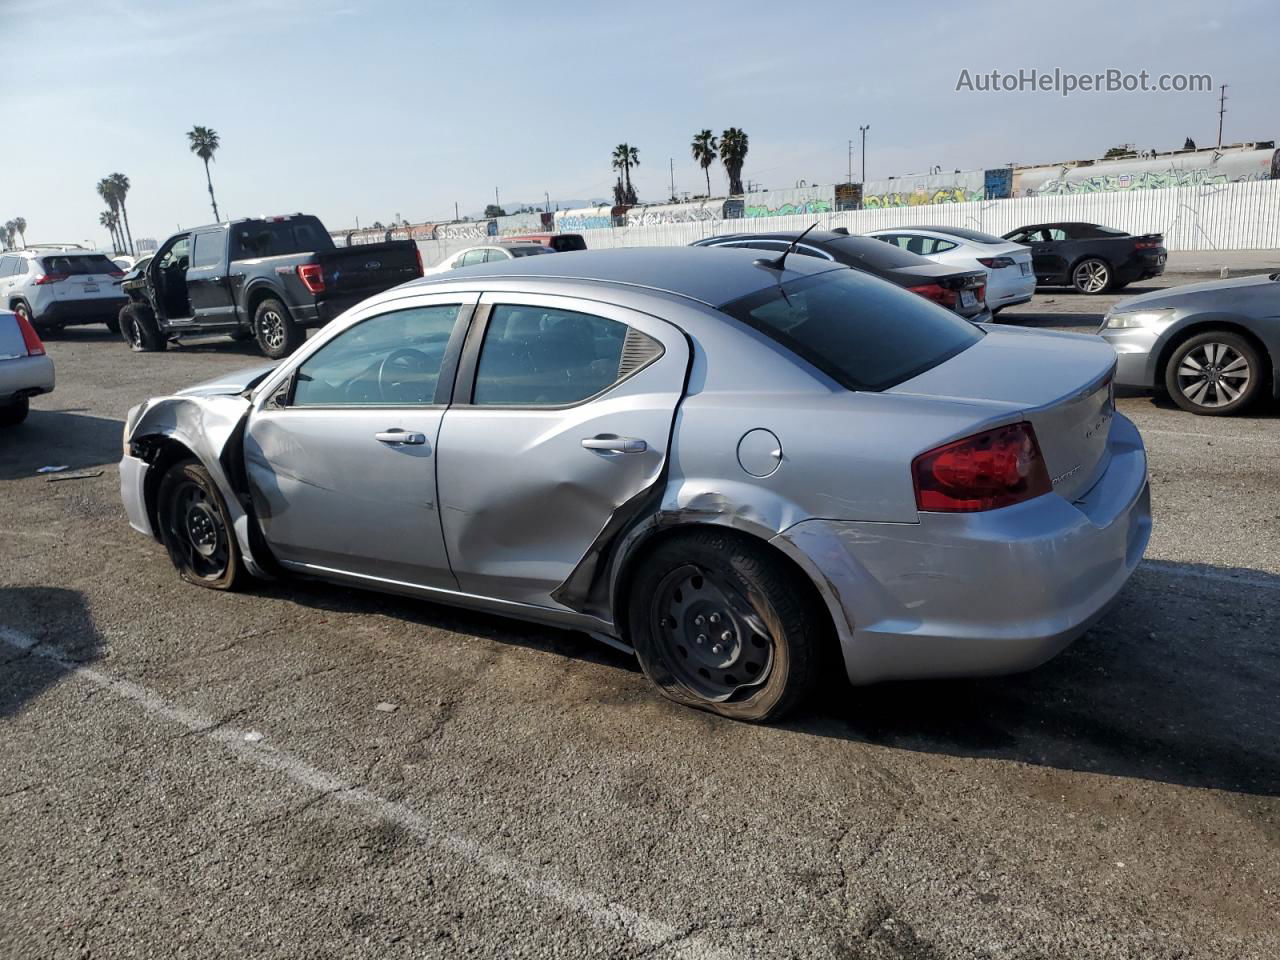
301,770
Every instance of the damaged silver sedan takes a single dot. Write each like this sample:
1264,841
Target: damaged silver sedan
743,469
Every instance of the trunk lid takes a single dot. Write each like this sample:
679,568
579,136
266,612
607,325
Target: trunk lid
1060,382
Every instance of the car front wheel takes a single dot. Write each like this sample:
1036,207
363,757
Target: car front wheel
195,528
138,329
1214,374
1092,276
723,624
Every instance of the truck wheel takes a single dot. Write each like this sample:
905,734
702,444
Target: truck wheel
276,333
138,329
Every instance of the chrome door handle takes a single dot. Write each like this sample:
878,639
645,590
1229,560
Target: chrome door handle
615,444
400,437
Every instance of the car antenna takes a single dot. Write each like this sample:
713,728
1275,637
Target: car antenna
779,262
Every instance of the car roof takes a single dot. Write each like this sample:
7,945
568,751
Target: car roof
710,276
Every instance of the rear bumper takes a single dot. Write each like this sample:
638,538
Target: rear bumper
1005,291
68,312
25,377
1141,267
985,593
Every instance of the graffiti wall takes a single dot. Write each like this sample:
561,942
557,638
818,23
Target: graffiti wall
466,230
788,203
962,186
1199,168
519,224
587,218
697,212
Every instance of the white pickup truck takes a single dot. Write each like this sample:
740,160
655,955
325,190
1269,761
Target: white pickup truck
25,369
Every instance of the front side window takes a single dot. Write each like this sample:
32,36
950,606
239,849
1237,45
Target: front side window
393,359
862,332
496,255
178,255
540,356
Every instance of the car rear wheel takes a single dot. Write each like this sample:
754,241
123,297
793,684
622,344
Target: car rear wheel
277,334
1091,276
723,624
1214,374
195,528
14,413
138,329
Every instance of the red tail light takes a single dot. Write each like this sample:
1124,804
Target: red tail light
1148,245
30,339
418,252
937,293
50,278
115,273
997,263
989,470
312,277
981,293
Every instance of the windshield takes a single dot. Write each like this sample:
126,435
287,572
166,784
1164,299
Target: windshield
863,332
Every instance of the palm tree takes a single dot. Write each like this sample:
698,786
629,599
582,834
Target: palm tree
107,191
204,144
704,151
111,221
733,151
121,184
625,157
6,234
20,224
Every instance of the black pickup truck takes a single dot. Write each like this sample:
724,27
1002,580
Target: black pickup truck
1091,258
265,279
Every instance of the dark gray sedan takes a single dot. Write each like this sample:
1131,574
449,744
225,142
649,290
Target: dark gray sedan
1213,346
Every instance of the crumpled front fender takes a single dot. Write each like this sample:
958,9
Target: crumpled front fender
211,428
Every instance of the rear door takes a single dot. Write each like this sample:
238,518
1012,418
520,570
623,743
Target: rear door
563,414
341,457
207,283
84,276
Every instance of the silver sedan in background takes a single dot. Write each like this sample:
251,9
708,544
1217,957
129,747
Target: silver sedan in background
1212,346
743,468
25,369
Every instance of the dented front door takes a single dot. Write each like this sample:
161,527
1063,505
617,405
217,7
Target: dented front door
566,414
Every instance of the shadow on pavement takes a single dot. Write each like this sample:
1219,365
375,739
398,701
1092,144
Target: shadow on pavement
1179,683
59,438
45,614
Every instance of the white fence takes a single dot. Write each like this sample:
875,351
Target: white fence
1232,216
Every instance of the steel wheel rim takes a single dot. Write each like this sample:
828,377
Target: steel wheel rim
1214,374
1092,277
709,637
197,531
271,327
135,332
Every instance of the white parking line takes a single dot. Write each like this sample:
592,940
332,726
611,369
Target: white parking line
535,880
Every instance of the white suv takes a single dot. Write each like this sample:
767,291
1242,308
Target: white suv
54,289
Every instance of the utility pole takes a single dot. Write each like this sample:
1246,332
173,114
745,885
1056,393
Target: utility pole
548,196
496,202
850,178
455,211
863,131
673,179
1222,109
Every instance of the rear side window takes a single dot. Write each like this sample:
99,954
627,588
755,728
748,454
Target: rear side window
497,256
76,264
208,252
864,333
535,356
528,251
278,238
472,257
564,242
8,266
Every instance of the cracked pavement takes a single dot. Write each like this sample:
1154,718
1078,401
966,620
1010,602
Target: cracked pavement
529,796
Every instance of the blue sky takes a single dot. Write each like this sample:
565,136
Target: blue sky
369,110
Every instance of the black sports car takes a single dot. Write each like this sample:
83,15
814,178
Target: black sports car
1091,258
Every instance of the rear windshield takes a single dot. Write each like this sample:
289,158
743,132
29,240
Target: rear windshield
264,238
863,332
528,251
875,254
977,236
73,264
564,242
